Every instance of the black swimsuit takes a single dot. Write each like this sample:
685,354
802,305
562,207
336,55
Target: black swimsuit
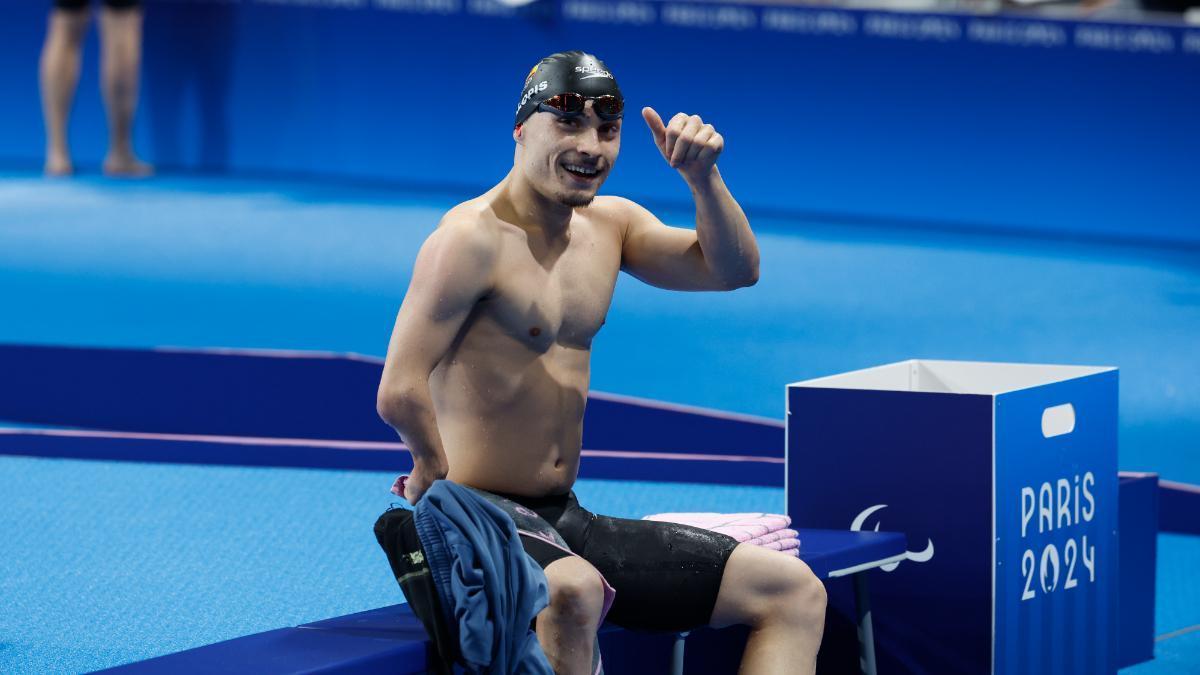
666,575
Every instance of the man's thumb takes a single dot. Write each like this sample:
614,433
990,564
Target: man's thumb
656,125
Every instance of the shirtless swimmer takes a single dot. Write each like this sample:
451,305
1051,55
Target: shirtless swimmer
487,370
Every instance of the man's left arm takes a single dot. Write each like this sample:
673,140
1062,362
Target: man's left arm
721,253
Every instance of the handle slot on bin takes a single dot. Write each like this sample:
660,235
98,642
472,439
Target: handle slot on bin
1058,420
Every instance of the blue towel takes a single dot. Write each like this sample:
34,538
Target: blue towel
489,588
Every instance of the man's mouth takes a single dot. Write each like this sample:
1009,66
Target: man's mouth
581,172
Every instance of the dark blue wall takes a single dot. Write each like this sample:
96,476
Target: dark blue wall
1138,536
1012,124
318,409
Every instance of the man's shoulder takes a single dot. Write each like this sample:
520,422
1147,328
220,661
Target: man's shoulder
470,221
612,204
613,209
622,213
473,212
467,230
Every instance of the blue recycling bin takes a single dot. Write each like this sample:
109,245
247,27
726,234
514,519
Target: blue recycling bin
1004,478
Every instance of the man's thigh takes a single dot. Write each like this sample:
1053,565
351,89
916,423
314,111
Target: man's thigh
543,552
667,576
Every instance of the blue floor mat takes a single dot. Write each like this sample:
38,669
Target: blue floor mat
110,562
218,262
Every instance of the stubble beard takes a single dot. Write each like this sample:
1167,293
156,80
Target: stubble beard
577,198
575,201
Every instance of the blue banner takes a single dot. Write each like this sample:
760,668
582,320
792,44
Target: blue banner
1056,528
1015,124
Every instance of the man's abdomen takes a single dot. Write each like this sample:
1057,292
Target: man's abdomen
517,429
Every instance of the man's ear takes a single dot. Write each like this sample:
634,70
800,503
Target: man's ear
517,133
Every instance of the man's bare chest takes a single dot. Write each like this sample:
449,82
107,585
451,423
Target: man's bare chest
542,302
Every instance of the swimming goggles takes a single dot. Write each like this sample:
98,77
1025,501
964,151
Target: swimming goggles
570,104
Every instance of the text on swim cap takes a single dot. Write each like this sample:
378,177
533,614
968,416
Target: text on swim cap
594,71
539,87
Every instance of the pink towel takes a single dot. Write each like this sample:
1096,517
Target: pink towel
770,537
744,527
767,530
786,546
783,545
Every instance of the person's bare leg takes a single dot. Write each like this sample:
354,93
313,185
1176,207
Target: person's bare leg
781,600
566,629
58,72
120,66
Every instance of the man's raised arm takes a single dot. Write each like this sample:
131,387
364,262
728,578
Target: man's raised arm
452,272
721,254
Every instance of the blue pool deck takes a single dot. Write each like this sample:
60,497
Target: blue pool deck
209,262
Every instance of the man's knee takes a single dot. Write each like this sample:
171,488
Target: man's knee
576,591
70,25
803,599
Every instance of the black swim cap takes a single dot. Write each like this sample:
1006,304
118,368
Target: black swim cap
574,72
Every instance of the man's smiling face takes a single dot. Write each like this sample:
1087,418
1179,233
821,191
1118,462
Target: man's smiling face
567,158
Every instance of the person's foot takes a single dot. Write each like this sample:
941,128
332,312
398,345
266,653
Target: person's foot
58,164
126,166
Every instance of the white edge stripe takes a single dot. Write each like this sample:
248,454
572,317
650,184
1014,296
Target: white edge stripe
679,407
269,353
635,454
1177,633
1176,485
354,445
202,438
865,566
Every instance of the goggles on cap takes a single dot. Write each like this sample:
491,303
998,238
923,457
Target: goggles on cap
570,104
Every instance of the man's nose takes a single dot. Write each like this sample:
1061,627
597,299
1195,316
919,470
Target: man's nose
589,142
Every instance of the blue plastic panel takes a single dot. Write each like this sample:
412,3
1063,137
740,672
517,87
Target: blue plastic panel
915,462
315,395
299,650
1139,554
1057,568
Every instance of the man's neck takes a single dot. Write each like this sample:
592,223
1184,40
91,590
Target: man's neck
533,211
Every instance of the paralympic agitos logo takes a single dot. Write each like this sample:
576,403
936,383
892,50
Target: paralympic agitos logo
915,556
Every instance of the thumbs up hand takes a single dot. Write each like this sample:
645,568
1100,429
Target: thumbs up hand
688,144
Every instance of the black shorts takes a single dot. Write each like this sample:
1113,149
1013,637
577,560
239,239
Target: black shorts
666,575
111,4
